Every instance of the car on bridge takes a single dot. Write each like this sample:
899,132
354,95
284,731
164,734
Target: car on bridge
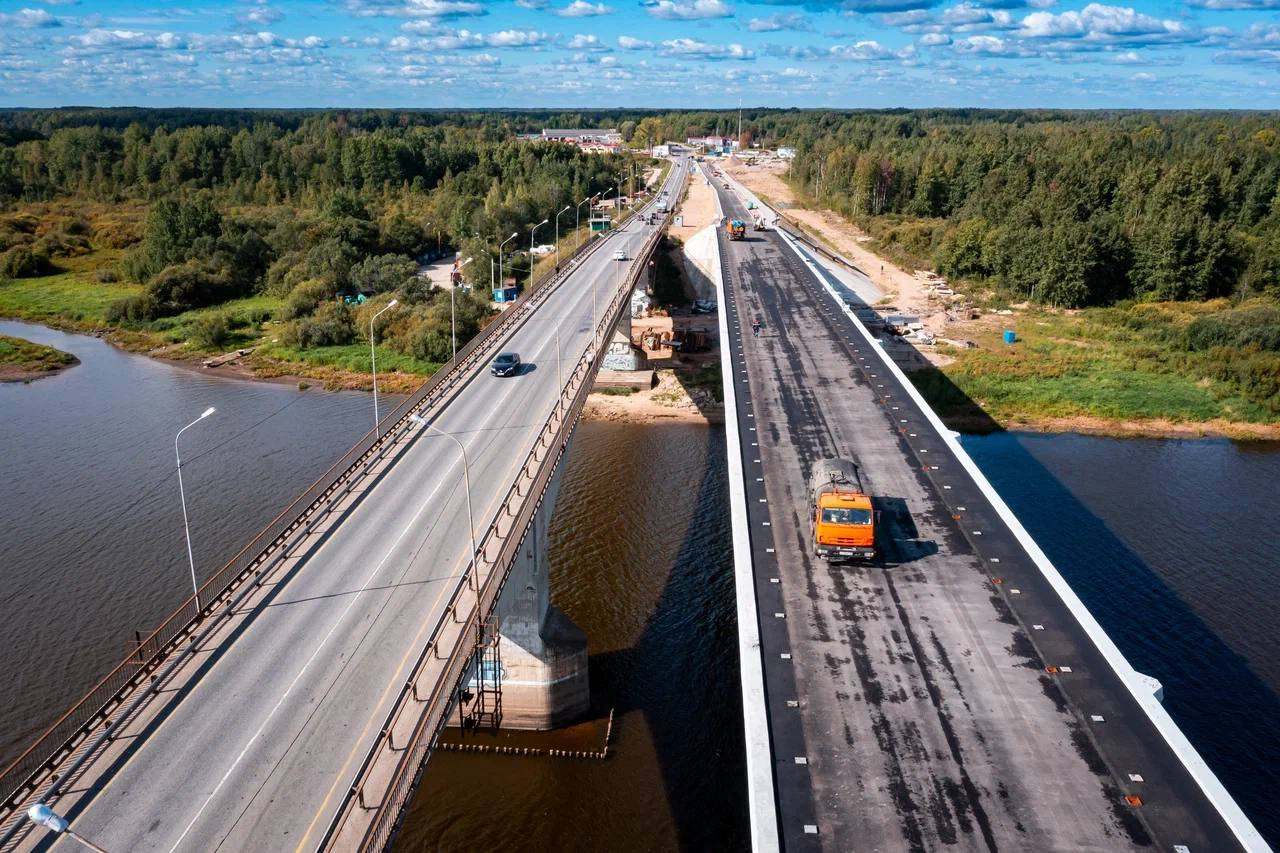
620,255
506,364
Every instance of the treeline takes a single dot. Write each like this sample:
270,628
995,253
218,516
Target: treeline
322,207
1068,211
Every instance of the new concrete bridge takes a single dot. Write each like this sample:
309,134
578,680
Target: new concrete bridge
954,692
296,708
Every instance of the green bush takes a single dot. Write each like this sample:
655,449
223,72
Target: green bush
306,297
106,275
210,331
133,309
331,325
24,262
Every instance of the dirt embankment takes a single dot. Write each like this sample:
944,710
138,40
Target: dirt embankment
24,361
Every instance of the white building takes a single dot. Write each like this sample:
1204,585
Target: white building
785,153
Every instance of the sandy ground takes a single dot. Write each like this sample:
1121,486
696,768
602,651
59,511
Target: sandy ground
904,292
698,209
17,373
668,402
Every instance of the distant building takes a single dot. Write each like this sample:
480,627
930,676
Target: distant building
712,143
662,151
596,136
786,153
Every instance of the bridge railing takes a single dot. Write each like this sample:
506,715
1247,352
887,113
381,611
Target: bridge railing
72,731
445,668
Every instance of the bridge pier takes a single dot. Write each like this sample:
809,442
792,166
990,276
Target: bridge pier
544,655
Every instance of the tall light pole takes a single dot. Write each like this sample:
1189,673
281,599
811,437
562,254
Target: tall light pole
532,231
453,318
182,494
57,824
466,473
514,234
566,208
373,359
577,216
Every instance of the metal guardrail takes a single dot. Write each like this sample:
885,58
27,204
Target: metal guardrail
68,735
506,533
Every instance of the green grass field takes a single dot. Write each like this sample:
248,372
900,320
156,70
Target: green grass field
351,357
27,357
71,297
1124,363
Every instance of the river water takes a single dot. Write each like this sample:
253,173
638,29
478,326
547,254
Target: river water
1170,543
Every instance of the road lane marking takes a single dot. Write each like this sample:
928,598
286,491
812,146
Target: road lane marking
319,648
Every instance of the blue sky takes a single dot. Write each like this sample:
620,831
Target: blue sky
642,53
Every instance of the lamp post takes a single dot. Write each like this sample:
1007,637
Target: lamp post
57,824
453,319
466,473
182,494
577,216
566,208
532,231
514,234
373,359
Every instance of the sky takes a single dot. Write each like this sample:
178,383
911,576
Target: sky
674,54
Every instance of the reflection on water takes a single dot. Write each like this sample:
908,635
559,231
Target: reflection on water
91,542
641,561
1174,547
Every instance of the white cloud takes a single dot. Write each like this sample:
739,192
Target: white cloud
687,10
583,9
932,39
586,42
704,50
102,39
780,22
1143,77
861,51
260,15
532,4
28,19
1105,24
1235,5
632,43
988,45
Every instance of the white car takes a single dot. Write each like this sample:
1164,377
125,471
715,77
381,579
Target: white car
620,255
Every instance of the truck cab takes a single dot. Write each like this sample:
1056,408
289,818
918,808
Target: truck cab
843,519
844,527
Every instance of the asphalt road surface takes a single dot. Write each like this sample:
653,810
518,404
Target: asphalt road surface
927,717
259,750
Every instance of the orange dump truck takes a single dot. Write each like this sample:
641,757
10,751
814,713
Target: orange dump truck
737,229
841,513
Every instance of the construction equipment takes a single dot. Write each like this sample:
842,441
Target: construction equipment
737,229
842,519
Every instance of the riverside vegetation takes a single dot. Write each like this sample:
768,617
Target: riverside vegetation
21,360
1146,246
187,232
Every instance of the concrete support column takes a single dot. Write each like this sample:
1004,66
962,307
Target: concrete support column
544,655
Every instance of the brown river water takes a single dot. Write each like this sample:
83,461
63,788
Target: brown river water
1174,549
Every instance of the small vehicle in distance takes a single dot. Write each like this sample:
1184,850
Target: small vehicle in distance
506,364
620,255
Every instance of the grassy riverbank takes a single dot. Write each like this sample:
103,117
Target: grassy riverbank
77,294
22,360
1173,368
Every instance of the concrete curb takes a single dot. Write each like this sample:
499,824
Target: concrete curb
1145,690
761,807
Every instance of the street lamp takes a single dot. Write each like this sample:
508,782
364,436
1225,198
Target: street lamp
514,234
373,359
453,321
532,231
577,216
466,473
57,824
566,208
182,493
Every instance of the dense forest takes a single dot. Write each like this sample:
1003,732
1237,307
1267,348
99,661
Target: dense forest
301,206
1064,208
